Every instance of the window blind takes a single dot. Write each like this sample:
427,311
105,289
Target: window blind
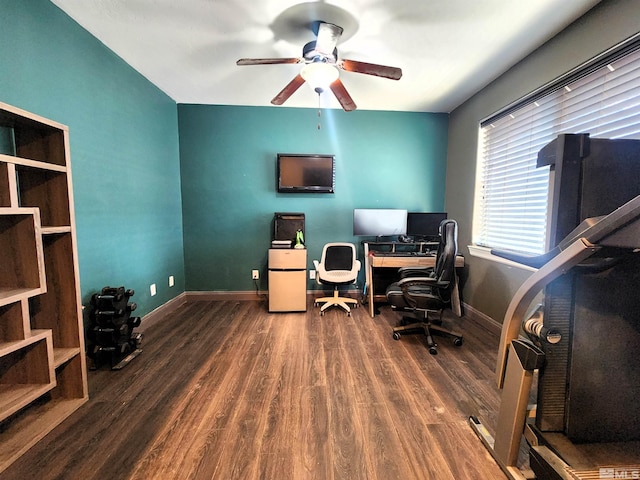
512,197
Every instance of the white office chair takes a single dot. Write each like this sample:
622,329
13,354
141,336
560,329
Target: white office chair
338,266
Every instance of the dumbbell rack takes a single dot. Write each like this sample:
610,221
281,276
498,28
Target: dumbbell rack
110,333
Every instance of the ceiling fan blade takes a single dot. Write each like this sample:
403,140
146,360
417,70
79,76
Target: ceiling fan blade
392,73
287,91
337,87
327,38
268,61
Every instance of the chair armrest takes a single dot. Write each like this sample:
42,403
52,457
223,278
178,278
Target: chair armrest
430,281
414,271
319,271
427,282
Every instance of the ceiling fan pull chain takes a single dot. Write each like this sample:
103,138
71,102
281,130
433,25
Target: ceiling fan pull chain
319,111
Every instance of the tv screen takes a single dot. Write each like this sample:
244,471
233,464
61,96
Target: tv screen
379,222
306,173
424,225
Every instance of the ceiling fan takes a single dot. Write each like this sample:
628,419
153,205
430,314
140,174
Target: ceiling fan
322,67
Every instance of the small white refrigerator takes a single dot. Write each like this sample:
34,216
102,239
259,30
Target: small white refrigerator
287,280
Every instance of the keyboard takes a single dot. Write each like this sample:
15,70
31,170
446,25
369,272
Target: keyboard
403,254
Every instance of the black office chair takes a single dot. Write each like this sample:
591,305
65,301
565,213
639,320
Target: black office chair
424,291
338,266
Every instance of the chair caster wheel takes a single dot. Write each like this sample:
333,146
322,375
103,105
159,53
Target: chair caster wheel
322,314
457,341
433,351
396,336
348,314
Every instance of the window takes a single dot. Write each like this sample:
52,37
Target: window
601,98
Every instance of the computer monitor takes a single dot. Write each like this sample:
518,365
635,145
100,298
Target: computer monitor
379,222
424,225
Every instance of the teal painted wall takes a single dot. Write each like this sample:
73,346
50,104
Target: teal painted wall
228,170
140,188
124,148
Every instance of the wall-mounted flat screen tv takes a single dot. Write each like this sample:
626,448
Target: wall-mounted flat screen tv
303,173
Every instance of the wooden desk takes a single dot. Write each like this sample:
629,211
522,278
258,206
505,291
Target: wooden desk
389,260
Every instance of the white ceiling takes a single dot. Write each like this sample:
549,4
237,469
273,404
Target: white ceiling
447,49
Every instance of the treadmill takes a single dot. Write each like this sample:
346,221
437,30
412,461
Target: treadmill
582,341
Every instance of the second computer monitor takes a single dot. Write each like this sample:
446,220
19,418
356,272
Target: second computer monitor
424,225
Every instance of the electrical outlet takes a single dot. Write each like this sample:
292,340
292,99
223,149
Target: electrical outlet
255,275
152,289
171,281
312,274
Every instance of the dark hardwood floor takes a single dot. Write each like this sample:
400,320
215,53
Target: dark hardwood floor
226,390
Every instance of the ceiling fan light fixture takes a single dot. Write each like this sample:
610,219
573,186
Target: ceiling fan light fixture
319,75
